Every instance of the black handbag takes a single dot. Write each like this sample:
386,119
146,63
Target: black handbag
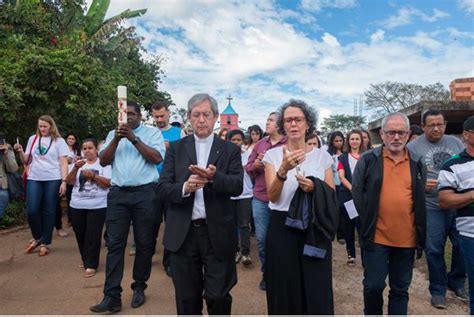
15,186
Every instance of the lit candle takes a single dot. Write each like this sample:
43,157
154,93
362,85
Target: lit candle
122,104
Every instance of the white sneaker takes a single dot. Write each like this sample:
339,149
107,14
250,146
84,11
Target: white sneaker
238,256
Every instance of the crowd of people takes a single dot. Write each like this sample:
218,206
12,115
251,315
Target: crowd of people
296,191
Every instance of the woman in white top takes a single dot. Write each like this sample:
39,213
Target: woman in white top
243,203
296,284
46,154
88,204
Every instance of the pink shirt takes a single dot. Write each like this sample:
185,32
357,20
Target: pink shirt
258,174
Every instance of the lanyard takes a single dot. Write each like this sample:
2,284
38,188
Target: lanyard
47,150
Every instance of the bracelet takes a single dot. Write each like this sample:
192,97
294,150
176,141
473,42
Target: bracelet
64,181
281,178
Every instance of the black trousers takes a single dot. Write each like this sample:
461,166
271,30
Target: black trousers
160,215
58,222
125,205
296,284
244,212
68,199
87,225
198,272
350,225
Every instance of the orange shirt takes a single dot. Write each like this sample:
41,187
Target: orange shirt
396,219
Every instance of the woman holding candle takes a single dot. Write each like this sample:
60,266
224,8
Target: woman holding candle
88,204
296,283
46,154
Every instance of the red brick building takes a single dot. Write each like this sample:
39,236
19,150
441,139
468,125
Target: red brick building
462,89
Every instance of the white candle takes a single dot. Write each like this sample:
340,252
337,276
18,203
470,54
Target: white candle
122,104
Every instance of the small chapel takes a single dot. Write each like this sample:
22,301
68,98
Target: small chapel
229,118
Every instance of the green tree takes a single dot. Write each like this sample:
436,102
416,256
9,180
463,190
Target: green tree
341,122
390,96
44,69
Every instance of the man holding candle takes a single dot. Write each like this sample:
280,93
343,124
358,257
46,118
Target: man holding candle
133,150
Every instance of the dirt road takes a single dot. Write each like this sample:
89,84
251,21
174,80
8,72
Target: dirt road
55,284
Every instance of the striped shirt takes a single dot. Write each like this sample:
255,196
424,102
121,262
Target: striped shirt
457,174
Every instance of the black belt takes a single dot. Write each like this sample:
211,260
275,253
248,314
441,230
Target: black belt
199,223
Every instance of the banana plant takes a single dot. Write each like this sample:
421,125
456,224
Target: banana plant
107,33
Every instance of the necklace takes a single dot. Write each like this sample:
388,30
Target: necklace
40,149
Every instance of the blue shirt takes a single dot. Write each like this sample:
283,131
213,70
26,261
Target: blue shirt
170,135
129,167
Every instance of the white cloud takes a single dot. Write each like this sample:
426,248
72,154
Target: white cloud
251,51
318,5
330,40
377,36
467,5
405,16
423,40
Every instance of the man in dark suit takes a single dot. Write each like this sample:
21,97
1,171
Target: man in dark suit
200,174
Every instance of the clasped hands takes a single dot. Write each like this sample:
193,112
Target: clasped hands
292,159
199,178
124,131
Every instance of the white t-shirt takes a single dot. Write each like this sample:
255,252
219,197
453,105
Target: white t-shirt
89,195
248,185
46,167
352,163
315,164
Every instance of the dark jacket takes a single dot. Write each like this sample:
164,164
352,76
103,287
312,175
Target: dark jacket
345,194
220,211
366,186
317,213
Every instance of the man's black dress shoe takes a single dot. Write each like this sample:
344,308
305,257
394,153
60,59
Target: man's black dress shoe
108,305
138,298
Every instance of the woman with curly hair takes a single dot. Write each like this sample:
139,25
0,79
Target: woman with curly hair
296,283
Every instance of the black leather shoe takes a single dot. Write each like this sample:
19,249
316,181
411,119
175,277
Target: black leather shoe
168,271
138,298
263,285
108,305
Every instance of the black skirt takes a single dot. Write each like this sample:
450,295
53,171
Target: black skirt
296,284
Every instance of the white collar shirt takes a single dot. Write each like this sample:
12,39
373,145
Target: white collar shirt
203,148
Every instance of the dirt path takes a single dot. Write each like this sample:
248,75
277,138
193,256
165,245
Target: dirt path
55,285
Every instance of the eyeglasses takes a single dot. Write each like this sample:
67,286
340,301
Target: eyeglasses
297,120
434,126
392,133
206,114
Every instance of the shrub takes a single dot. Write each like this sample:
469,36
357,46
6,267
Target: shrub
14,215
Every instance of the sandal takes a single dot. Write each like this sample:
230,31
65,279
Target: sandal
351,262
89,273
32,245
43,251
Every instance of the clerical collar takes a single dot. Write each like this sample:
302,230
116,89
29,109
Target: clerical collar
210,138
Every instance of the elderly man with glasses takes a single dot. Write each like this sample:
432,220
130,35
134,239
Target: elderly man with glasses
388,191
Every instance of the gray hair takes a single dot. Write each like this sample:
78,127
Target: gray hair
395,114
199,98
310,115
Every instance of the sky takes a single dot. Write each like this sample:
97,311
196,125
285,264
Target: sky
325,52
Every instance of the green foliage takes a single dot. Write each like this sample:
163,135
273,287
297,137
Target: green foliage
45,69
342,122
389,96
14,215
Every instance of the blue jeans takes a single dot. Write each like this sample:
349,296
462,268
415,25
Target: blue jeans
41,200
4,197
397,263
467,249
441,224
261,217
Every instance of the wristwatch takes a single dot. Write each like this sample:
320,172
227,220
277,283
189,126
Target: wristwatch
136,140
